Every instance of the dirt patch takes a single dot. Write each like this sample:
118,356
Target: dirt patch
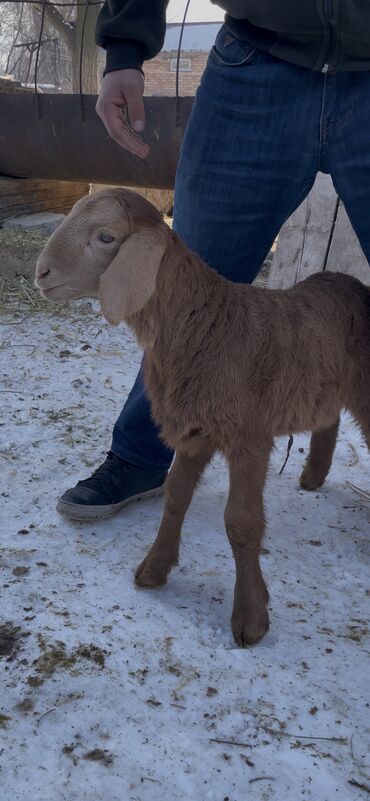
95,755
21,571
54,657
92,652
9,639
98,755
35,681
69,749
356,633
25,706
140,674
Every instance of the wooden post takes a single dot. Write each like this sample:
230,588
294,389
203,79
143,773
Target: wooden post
318,236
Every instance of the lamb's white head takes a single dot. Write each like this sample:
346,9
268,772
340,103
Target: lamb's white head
109,246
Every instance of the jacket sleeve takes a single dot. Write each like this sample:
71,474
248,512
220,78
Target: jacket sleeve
131,31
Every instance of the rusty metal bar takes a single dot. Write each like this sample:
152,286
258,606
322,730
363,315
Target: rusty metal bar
61,146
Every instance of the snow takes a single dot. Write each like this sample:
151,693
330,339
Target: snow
115,693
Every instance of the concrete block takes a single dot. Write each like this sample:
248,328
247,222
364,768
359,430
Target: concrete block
46,222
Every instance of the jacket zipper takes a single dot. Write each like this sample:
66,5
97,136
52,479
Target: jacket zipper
328,14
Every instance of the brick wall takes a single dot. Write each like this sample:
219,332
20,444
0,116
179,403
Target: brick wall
160,73
160,79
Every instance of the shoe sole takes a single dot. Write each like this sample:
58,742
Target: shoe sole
80,512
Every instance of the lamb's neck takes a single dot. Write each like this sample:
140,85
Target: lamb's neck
187,290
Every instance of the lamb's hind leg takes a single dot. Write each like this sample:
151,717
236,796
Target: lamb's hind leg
361,412
180,485
358,404
364,423
245,524
320,457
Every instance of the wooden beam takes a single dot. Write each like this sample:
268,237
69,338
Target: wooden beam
26,196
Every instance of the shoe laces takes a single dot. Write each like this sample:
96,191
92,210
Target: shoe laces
105,474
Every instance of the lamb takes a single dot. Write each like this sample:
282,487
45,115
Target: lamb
228,367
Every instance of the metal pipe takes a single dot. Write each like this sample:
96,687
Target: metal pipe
48,137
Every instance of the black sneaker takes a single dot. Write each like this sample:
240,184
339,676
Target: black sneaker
114,484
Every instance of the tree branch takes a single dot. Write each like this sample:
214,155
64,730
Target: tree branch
66,29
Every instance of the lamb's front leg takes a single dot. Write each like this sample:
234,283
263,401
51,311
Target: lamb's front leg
180,485
244,520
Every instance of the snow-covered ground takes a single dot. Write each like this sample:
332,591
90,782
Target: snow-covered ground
114,694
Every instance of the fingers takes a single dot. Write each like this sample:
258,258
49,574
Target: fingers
135,109
121,94
119,130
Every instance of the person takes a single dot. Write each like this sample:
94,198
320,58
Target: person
285,93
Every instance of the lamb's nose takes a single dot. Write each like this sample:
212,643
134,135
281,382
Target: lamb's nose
41,272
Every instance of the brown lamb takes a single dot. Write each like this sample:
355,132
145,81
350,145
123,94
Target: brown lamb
228,367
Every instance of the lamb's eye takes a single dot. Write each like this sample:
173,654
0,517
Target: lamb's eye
106,238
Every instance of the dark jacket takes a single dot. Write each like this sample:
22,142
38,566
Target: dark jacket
319,34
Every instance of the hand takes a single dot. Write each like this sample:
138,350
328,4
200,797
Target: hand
121,94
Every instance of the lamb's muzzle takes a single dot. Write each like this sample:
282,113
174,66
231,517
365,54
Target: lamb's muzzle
228,367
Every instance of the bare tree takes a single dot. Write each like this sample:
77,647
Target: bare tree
76,33
60,34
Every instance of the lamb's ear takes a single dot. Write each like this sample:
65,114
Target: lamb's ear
129,281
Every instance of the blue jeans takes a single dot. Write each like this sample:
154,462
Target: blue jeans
259,131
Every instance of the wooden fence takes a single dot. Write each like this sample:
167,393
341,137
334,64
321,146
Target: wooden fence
318,236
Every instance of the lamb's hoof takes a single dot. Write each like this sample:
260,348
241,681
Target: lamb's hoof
247,631
150,575
309,481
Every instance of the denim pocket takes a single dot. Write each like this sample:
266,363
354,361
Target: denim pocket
228,51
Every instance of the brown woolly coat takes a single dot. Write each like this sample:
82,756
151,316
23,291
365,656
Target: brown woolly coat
223,358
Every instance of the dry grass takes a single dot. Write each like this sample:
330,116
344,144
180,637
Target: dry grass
19,294
23,244
19,297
